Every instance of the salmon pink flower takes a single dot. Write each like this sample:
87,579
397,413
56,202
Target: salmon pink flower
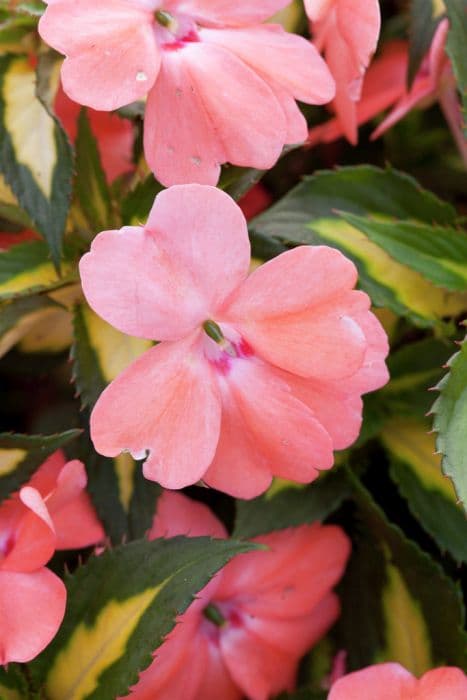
347,32
255,376
392,682
51,512
221,86
255,620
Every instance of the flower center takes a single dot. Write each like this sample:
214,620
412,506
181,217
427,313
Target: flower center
174,31
212,613
223,346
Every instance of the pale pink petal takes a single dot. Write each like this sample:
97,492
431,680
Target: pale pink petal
301,278
341,62
71,481
178,515
226,12
359,24
298,570
317,9
45,478
165,280
291,441
180,143
166,402
373,373
381,682
32,606
247,118
296,635
442,684
296,122
112,56
33,539
239,467
337,407
279,57
77,524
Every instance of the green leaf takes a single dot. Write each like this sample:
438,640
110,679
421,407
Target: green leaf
90,184
19,317
21,455
308,215
424,18
438,253
455,46
26,269
35,155
450,421
397,603
288,505
137,204
120,606
13,685
430,495
99,354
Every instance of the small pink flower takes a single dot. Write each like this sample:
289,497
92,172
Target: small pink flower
347,32
392,682
255,376
114,135
221,86
248,628
51,512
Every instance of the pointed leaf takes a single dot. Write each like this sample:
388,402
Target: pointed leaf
424,18
120,607
21,455
450,421
457,39
35,155
430,495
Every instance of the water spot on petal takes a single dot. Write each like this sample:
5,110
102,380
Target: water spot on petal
196,160
141,76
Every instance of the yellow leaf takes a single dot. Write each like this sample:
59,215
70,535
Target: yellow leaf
410,442
31,128
9,694
407,637
125,467
92,649
9,460
409,287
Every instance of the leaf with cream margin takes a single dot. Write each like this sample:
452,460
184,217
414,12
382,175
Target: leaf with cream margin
26,269
308,214
120,606
397,603
99,354
416,468
35,154
450,422
21,455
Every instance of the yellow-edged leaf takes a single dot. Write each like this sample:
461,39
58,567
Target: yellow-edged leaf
10,459
92,649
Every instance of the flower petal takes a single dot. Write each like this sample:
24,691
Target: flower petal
165,402
180,143
226,12
279,57
247,118
442,683
178,515
216,682
32,606
112,57
381,682
163,281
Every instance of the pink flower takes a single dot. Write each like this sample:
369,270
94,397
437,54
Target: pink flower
392,682
113,134
255,620
51,512
347,32
385,86
255,376
221,86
